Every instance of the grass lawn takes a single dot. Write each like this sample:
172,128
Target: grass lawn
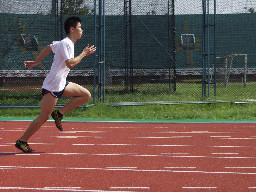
149,93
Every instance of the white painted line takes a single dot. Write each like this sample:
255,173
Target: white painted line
234,146
33,143
220,136
54,189
180,167
104,144
129,187
62,187
31,154
191,132
225,153
239,138
199,187
68,137
135,170
121,167
140,155
216,157
83,131
170,145
174,153
240,167
173,137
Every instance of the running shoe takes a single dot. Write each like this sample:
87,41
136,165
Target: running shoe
57,116
23,146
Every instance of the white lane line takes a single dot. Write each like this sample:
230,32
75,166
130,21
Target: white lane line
62,188
103,137
120,127
180,167
126,144
174,153
135,170
10,130
121,167
140,155
240,167
225,153
31,154
83,131
199,187
215,157
142,188
169,145
67,137
191,132
54,189
221,136
104,144
172,137
32,143
239,138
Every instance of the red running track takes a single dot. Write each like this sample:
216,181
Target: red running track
130,157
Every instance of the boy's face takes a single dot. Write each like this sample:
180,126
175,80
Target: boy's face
77,31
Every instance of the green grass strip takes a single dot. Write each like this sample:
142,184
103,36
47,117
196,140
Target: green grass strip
137,120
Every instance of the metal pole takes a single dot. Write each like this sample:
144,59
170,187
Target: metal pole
126,44
103,56
209,48
61,19
174,46
95,59
214,59
100,52
131,54
203,50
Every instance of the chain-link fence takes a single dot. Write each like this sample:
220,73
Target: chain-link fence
152,50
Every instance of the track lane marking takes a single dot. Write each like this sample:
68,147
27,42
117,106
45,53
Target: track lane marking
55,189
134,170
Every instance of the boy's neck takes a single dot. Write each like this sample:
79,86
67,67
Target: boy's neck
72,38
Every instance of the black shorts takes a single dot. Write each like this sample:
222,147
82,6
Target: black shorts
55,94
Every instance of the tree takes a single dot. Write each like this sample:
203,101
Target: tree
251,10
152,12
76,7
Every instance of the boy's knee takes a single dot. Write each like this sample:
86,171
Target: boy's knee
45,117
86,96
89,96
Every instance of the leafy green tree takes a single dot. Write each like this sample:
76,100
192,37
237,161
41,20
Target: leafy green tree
76,7
251,10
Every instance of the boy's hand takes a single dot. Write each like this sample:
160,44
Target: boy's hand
29,64
89,50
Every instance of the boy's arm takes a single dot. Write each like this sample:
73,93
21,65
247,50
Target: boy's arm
43,54
86,52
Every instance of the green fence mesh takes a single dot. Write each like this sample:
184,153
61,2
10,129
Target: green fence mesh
153,49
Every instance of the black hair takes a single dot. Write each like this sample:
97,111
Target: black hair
71,22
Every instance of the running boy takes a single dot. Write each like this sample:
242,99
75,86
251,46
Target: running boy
55,84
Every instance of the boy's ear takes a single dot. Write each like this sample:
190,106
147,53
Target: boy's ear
71,29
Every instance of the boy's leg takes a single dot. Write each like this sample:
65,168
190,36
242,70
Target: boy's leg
47,106
79,94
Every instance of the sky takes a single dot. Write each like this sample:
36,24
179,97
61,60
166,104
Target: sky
139,7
